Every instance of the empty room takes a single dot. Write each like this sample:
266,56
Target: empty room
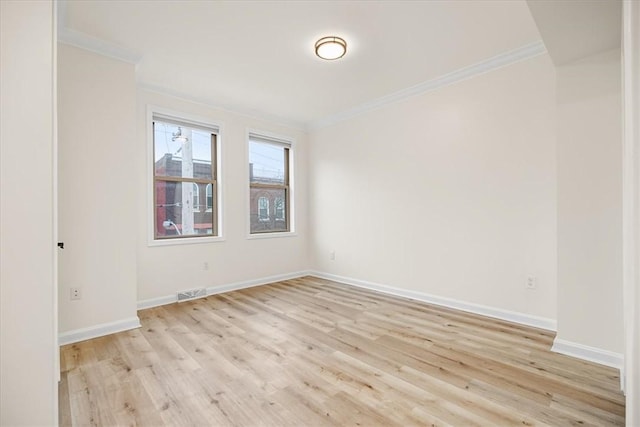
317,213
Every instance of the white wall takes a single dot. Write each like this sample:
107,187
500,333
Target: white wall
450,193
165,270
104,215
28,377
590,202
631,204
97,181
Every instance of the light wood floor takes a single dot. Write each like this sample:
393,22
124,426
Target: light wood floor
313,352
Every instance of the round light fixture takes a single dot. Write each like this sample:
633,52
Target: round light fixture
178,136
331,47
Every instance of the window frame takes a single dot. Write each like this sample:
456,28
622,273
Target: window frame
289,185
155,113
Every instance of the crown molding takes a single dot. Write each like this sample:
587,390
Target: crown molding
84,41
233,109
520,54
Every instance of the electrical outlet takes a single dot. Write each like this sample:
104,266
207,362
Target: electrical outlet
532,282
75,294
332,255
205,266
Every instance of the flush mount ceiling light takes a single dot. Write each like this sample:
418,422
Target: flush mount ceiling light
331,47
178,136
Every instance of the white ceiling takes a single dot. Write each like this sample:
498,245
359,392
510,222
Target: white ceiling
578,28
257,56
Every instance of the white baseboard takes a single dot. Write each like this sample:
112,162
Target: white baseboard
568,348
98,330
511,316
592,354
213,290
155,302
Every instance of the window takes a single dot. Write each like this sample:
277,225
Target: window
263,209
279,208
185,159
209,196
196,197
269,184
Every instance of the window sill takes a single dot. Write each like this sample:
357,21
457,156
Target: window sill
186,241
275,234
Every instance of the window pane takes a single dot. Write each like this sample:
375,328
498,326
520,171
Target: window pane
268,210
196,197
181,151
263,209
209,193
175,214
279,209
266,163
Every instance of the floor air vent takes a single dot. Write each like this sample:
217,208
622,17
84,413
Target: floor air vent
193,293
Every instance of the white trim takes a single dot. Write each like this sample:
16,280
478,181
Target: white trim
214,290
585,352
96,331
272,235
233,109
507,58
580,351
211,125
84,41
173,241
54,180
498,313
54,202
156,302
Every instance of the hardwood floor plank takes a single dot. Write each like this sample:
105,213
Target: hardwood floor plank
64,412
313,352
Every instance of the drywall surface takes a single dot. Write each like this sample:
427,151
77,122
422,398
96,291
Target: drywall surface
28,345
165,270
590,202
97,188
631,206
450,193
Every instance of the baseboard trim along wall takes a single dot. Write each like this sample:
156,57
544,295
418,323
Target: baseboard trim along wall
213,290
511,316
101,330
568,348
585,352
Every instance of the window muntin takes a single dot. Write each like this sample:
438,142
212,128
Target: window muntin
269,185
184,161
